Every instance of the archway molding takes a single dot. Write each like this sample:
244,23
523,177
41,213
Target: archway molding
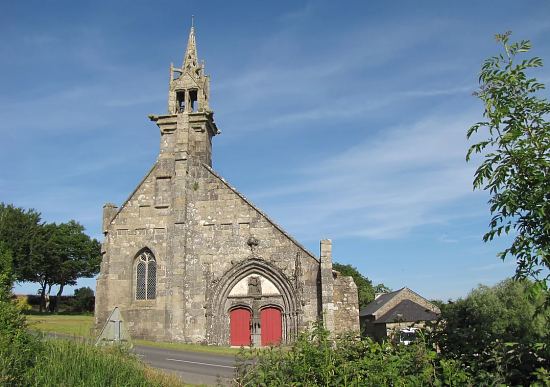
220,303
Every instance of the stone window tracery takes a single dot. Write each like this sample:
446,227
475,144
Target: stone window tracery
146,276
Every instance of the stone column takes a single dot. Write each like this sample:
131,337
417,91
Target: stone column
187,101
327,284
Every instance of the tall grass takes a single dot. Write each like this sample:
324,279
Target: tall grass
67,363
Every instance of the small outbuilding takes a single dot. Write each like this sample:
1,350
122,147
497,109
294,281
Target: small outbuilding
395,312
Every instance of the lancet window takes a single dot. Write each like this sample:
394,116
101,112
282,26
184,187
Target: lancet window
146,276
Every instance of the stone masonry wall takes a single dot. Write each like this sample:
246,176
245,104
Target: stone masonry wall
346,305
213,239
138,225
221,224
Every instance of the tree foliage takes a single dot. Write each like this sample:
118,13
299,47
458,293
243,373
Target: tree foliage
47,253
365,289
471,338
503,312
318,360
73,253
516,157
495,331
66,254
17,346
84,300
6,271
19,230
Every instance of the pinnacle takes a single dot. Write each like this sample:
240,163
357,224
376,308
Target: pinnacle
191,60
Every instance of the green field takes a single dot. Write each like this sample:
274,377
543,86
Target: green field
82,326
75,325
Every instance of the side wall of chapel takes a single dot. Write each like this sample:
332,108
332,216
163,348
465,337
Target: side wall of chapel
138,225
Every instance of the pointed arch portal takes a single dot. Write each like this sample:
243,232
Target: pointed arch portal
257,292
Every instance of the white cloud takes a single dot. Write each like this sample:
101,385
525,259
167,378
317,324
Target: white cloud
403,178
286,82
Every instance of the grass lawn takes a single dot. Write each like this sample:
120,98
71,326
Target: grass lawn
82,326
75,325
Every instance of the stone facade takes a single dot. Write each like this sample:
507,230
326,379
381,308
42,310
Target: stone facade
186,248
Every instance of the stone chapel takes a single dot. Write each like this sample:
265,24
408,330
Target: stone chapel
188,258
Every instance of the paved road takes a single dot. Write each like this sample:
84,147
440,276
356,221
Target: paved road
193,367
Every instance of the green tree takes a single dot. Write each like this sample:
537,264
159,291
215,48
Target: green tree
495,331
516,158
6,272
47,253
84,300
365,288
19,231
42,267
75,255
64,254
503,312
381,288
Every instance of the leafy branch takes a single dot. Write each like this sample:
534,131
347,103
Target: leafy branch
516,157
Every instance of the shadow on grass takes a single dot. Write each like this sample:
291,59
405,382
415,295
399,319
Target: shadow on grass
63,313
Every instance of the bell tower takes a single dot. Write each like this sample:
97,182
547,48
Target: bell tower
187,130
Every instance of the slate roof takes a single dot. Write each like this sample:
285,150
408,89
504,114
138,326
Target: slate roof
378,303
408,311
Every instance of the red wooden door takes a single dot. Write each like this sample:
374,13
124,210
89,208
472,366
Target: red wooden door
240,326
271,321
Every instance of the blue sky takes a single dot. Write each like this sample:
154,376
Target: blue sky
342,120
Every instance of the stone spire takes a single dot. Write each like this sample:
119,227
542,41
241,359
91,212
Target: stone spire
188,128
191,59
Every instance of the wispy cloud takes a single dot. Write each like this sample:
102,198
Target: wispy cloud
400,179
446,239
493,266
289,84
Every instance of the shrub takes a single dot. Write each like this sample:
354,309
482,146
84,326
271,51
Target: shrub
316,360
22,303
495,333
18,348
